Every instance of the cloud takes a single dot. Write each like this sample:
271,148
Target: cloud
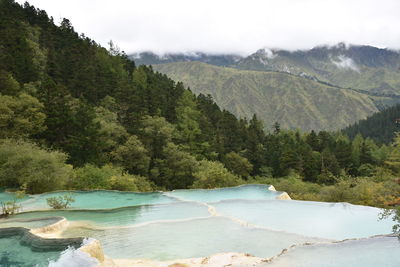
230,26
346,63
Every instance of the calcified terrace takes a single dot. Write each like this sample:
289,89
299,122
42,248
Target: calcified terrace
245,225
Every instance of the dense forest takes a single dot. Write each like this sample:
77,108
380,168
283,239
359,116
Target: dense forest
380,127
75,115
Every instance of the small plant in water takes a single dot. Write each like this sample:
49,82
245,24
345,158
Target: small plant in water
11,207
60,202
396,218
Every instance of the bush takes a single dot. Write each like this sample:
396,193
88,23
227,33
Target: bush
24,163
60,202
213,174
91,177
9,208
127,182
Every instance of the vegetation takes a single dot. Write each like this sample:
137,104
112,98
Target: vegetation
60,202
11,207
380,127
358,67
294,101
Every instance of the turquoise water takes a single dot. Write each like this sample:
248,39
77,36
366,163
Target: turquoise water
6,196
326,220
198,223
12,253
370,252
186,239
247,192
99,199
127,216
28,223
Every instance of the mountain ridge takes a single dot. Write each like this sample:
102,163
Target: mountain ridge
291,100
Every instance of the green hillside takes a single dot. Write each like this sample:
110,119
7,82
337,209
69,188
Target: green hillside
357,67
293,101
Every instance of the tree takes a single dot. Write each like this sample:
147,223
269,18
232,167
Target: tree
237,164
175,169
312,141
212,174
156,133
188,117
108,177
133,156
393,160
111,133
25,164
343,152
8,85
21,116
276,127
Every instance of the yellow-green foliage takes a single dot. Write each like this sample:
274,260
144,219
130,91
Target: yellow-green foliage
212,174
26,164
361,191
20,115
108,177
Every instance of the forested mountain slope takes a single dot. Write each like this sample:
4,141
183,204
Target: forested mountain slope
293,101
63,91
381,127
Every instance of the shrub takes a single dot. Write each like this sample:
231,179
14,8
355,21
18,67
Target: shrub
60,202
213,174
9,208
127,182
108,177
24,163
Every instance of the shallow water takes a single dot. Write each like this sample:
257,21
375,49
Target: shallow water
187,239
27,223
128,215
12,253
100,199
369,252
326,220
6,196
199,223
247,192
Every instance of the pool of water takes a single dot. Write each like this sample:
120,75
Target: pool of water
128,215
186,239
12,253
199,223
101,199
369,252
247,192
28,223
326,220
7,196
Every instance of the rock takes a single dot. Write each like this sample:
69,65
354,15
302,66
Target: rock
94,249
284,196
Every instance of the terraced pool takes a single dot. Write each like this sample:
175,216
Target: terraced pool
199,223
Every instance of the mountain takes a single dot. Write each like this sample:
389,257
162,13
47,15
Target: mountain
380,127
149,58
293,101
349,66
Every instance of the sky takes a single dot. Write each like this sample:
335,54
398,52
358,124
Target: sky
230,26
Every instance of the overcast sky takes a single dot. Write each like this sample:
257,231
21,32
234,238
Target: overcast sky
230,26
